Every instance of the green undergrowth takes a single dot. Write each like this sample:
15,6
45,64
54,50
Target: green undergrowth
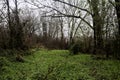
59,65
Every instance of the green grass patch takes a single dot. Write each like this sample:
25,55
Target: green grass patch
59,65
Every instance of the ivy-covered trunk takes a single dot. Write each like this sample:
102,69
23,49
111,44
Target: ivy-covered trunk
97,24
19,32
117,2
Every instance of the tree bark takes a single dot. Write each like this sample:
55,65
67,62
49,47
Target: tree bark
12,31
19,32
98,41
118,35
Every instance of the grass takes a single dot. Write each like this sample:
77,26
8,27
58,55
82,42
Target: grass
59,65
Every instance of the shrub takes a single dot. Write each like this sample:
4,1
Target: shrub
19,58
75,48
3,62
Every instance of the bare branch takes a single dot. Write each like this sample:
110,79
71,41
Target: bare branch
79,25
63,14
74,6
66,15
113,4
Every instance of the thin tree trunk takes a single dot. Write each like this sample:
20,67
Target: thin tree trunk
19,32
11,41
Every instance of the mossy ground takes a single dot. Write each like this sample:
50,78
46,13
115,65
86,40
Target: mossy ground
59,65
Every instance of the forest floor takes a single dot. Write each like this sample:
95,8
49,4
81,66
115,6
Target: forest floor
59,65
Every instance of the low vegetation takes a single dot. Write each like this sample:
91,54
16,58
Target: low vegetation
58,65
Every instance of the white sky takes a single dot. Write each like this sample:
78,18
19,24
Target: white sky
22,4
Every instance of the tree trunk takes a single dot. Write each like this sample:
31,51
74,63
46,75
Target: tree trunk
12,31
19,32
98,41
118,35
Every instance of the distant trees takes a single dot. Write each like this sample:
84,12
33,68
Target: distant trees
53,32
31,27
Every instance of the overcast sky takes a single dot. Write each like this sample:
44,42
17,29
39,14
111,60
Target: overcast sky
22,3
